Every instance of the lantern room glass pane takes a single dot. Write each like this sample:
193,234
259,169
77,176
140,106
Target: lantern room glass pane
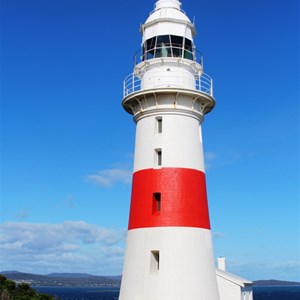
168,46
150,48
177,45
163,46
188,52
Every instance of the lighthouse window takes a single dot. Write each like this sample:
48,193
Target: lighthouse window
156,202
188,49
158,157
168,46
163,46
154,261
176,42
149,48
159,124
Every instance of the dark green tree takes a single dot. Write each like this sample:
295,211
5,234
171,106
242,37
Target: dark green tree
9,290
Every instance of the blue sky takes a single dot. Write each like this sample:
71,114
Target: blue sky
67,144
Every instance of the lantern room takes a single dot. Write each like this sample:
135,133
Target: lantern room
168,32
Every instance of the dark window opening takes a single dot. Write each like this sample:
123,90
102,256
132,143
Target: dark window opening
154,261
158,157
159,124
156,203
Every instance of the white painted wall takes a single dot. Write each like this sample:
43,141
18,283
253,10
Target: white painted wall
186,260
168,75
229,290
180,141
247,293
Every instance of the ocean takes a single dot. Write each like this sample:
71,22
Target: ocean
80,293
276,293
84,293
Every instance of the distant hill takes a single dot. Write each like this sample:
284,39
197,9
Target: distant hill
83,279
69,275
273,282
8,272
62,279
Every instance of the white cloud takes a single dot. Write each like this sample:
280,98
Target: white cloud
209,157
267,269
69,201
222,159
218,234
109,177
22,215
66,247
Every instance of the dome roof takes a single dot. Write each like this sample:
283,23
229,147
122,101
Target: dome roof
167,9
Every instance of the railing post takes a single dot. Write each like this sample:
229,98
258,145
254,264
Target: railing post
200,83
133,82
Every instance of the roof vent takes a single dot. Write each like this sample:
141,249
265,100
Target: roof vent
167,4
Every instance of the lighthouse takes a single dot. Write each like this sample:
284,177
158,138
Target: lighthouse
169,251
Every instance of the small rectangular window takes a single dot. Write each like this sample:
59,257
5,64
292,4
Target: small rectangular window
158,157
159,124
156,203
154,261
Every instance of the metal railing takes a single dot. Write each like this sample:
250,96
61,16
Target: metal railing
203,83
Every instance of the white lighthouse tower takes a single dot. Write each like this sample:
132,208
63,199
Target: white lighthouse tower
169,253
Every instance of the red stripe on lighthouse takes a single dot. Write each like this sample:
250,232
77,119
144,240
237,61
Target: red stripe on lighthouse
181,194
